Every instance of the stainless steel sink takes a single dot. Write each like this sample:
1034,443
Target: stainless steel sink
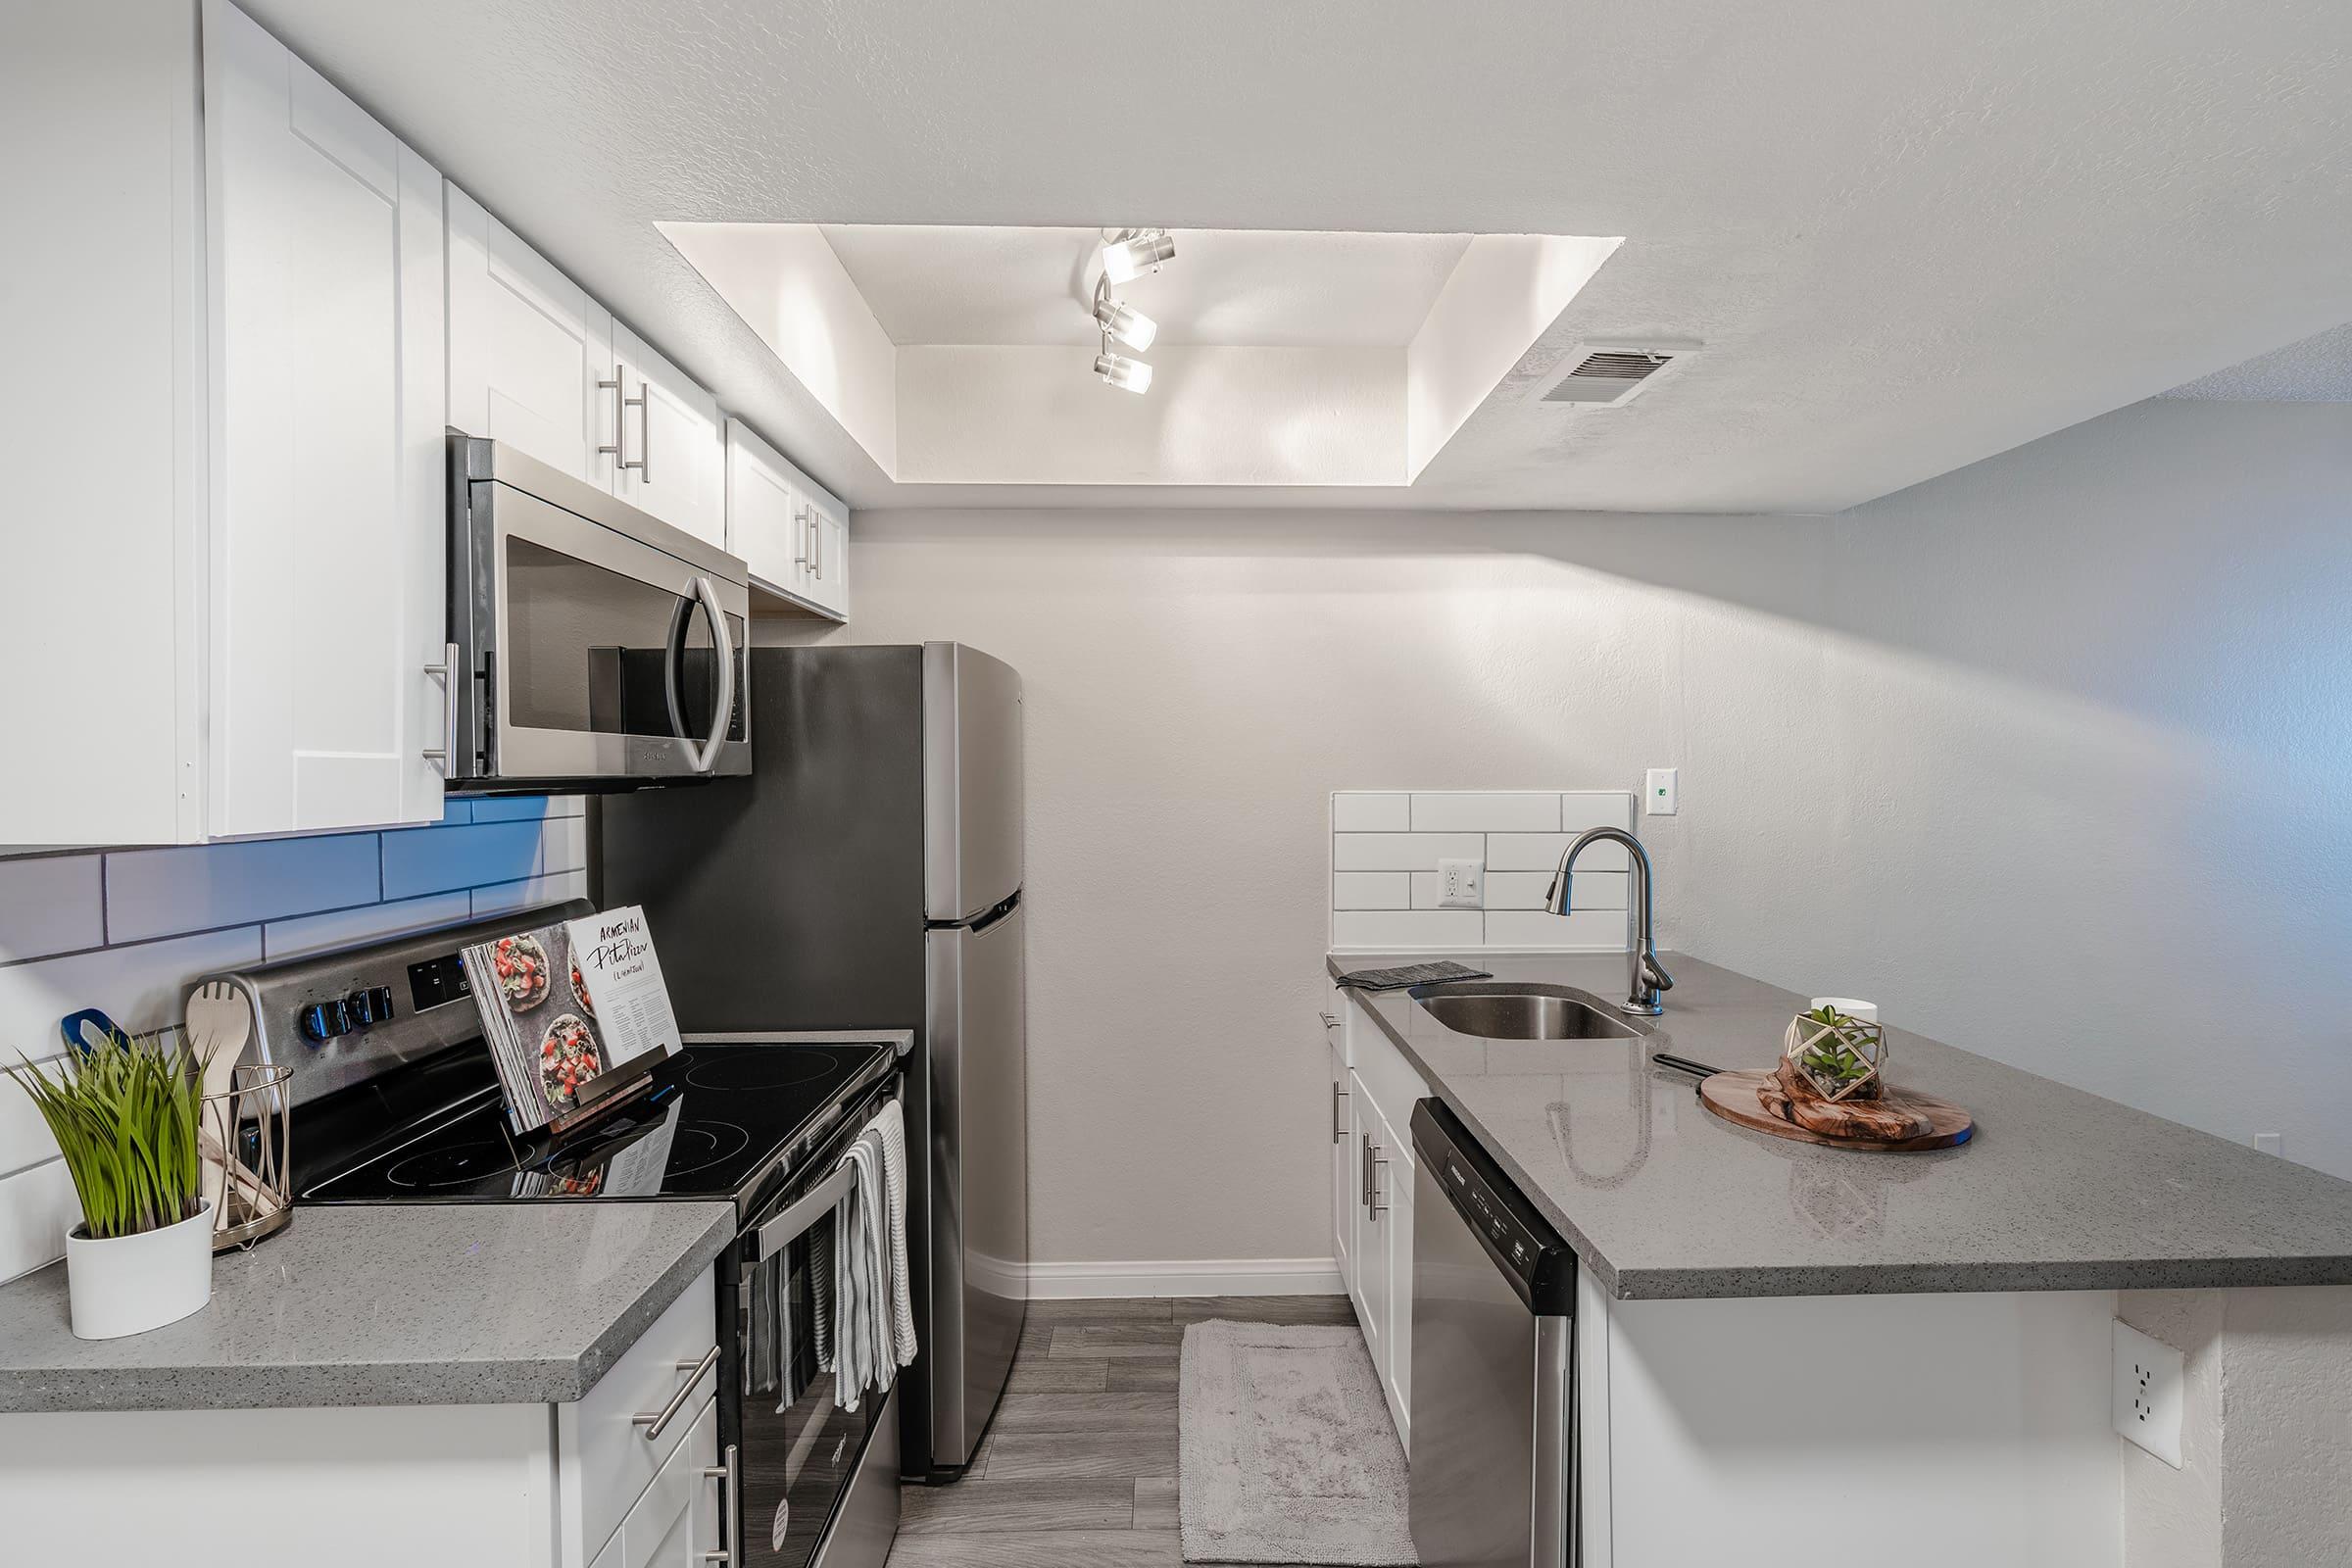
1515,1011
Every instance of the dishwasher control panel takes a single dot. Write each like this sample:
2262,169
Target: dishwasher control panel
1524,1243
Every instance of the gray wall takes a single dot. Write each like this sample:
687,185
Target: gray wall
2049,756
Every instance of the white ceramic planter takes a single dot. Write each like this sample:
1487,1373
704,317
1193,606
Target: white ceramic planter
130,1284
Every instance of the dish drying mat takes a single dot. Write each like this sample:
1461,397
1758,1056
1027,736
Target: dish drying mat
1413,974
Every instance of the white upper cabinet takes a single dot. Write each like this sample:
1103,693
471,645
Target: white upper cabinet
230,578
325,583
673,459
791,531
530,355
538,364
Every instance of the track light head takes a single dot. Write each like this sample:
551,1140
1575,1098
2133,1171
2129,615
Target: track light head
1135,252
1128,376
1122,324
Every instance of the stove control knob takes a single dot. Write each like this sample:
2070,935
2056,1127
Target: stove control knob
323,1021
372,1005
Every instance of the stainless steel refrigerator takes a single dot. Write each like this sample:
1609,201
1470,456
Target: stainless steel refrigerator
867,875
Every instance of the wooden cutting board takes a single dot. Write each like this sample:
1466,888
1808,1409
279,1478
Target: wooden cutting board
1750,1098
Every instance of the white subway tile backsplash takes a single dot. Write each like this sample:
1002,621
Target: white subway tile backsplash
1598,929
505,896
1401,851
1370,811
139,986
37,1207
177,915
315,933
1542,852
154,893
1374,890
434,860
1517,835
1526,890
1583,808
51,903
1493,812
1406,929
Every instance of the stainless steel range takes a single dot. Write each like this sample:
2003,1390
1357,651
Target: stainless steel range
395,1100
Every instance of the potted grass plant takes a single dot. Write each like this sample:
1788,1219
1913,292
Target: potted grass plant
125,1113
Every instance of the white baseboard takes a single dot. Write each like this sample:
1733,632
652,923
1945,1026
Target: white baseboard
1208,1276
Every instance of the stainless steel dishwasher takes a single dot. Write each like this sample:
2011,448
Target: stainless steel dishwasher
1493,1469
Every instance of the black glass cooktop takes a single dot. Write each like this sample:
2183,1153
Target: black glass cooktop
714,1125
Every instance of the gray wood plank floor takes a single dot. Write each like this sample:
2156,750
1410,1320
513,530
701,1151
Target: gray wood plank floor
1078,1469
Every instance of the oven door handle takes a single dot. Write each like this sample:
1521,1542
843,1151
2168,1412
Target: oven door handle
803,1212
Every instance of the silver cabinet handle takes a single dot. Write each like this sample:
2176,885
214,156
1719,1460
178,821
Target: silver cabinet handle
657,1422
800,519
446,753
1339,1123
1330,1021
643,404
618,440
722,710
729,1477
1363,1171
1372,1194
816,545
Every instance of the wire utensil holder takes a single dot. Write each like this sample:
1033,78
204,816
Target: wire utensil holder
244,1132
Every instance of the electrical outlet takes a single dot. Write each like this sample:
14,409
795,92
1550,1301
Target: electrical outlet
1460,884
2148,1378
2270,1143
1658,792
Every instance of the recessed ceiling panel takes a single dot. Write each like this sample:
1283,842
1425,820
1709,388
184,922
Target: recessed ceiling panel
1263,288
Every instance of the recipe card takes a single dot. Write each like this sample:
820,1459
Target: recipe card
565,1006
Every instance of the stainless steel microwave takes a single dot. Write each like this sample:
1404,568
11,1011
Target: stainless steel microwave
592,647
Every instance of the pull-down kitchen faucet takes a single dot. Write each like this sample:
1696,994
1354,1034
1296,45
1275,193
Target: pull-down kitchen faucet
1645,979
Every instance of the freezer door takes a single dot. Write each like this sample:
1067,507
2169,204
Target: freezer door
976,1035
971,781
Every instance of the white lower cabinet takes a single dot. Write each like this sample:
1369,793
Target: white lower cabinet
1373,1093
583,1485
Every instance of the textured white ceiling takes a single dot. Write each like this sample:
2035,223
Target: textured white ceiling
2312,370
982,283
1910,233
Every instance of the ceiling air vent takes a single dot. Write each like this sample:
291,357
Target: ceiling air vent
1603,374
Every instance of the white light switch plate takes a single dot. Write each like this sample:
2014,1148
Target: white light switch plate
1659,792
1460,884
2148,1378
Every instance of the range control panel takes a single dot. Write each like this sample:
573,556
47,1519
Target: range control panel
1522,1242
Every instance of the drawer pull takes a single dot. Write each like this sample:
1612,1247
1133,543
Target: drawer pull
729,1477
657,1422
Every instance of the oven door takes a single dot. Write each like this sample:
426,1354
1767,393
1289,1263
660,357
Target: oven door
815,1486
606,645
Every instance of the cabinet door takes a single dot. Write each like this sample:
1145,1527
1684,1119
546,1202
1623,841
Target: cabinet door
1342,1166
327,598
674,453
1396,1191
825,582
1372,1303
530,355
677,1519
762,514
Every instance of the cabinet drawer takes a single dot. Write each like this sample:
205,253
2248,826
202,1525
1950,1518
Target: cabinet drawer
604,1458
667,1527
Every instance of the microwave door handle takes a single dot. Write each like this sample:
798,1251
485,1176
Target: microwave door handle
722,710
674,666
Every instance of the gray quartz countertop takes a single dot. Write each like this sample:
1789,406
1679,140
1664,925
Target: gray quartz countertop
457,1303
2058,1190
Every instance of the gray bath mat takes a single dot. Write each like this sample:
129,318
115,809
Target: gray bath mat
1287,1451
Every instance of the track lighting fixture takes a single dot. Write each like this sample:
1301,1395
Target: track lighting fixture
1122,324
1133,252
1128,376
